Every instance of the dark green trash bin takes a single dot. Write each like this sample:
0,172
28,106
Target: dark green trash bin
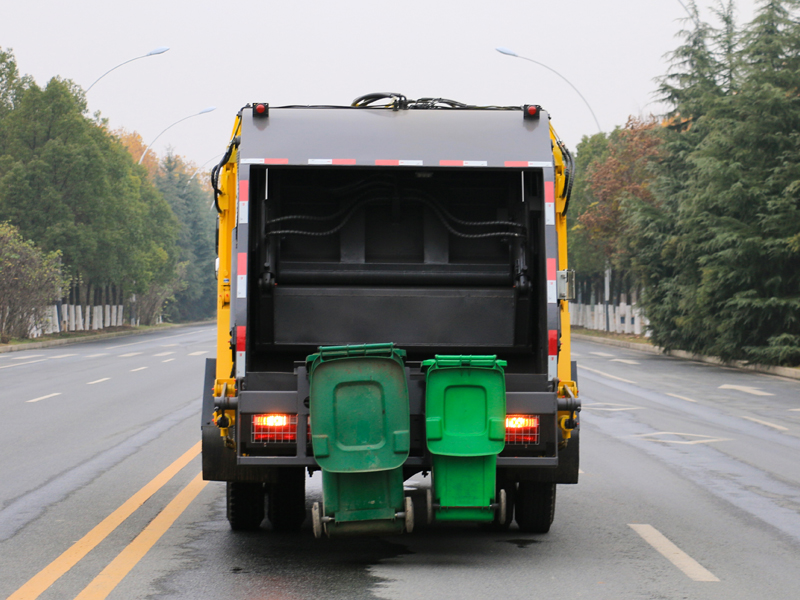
360,435
465,412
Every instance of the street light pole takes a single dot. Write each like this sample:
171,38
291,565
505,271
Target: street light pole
202,112
159,50
508,52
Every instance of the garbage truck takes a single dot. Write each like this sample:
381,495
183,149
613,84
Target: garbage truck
393,300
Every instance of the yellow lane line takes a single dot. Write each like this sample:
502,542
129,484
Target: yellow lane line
110,577
606,375
690,567
48,576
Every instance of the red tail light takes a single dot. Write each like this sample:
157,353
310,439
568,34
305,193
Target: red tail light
522,429
274,428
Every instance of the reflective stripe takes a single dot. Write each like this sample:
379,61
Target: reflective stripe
462,163
244,197
552,351
241,275
549,203
398,163
241,345
552,288
528,163
331,161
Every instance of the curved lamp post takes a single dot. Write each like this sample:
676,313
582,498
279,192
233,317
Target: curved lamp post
202,112
508,52
159,50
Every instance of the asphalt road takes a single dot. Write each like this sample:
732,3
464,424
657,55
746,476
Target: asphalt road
690,489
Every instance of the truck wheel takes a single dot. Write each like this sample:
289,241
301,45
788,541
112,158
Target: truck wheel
287,500
245,505
535,506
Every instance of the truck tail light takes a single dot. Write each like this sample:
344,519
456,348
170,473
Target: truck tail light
274,428
522,429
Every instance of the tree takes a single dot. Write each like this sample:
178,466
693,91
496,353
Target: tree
30,280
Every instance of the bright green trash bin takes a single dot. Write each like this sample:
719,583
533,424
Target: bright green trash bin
465,411
361,438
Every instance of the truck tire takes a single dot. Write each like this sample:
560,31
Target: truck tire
535,506
286,508
245,505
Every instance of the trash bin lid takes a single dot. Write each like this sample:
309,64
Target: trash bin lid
359,408
465,405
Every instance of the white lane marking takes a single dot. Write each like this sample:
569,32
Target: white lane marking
690,567
682,398
44,397
606,374
129,354
625,360
63,356
746,389
139,369
149,341
163,354
580,472
30,362
612,407
169,345
96,355
168,360
701,439
27,356
576,354
794,409
98,381
602,354
206,352
767,423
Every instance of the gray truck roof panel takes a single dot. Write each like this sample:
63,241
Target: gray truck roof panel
370,137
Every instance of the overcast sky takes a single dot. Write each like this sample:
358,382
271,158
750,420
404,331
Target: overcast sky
226,54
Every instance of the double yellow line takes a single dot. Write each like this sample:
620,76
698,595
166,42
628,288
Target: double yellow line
109,578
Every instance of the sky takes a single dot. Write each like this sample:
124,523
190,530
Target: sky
227,54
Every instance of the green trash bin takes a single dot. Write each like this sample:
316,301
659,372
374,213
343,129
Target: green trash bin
465,412
361,438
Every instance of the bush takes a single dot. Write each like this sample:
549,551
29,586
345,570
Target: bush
30,280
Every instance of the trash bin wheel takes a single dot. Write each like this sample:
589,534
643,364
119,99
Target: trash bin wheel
316,520
245,505
535,506
286,508
429,505
409,506
502,510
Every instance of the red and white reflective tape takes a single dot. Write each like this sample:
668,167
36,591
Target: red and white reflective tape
552,352
463,163
244,197
549,203
241,275
398,163
552,287
241,344
264,161
331,161
528,163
